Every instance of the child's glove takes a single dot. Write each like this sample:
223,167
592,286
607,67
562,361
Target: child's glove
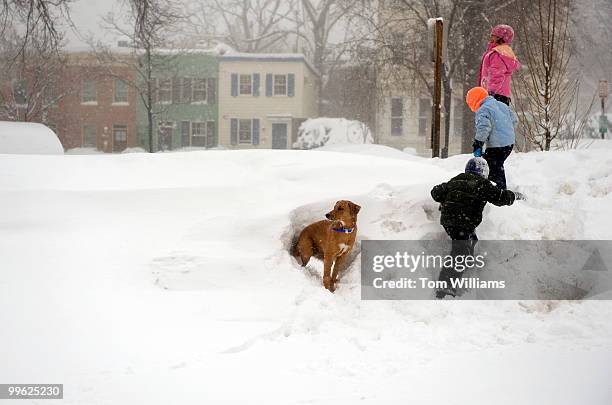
519,196
477,145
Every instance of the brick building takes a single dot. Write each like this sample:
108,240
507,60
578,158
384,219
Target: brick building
98,109
88,105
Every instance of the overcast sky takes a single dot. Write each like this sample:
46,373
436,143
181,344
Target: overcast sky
86,15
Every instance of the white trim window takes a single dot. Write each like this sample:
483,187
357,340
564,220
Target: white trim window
89,92
164,91
397,116
120,92
200,87
198,134
457,117
246,85
280,85
245,131
424,115
120,133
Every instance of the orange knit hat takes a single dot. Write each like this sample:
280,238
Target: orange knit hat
475,96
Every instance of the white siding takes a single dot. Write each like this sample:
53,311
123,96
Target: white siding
279,108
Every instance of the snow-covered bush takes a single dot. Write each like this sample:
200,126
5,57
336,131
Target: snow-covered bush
317,132
591,129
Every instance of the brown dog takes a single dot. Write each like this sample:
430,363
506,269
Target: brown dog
331,240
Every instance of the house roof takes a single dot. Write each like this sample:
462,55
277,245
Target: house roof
224,54
267,57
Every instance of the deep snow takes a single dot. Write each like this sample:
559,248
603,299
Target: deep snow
28,138
165,279
320,132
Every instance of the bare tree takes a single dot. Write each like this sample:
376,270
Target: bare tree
398,31
31,67
453,14
148,29
318,19
271,25
246,25
547,90
41,17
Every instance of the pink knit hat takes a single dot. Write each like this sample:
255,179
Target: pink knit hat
505,32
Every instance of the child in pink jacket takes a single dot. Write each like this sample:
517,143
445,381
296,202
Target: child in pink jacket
498,63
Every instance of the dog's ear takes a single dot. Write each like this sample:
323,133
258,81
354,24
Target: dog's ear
354,208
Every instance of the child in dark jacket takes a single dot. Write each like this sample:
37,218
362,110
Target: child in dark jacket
462,200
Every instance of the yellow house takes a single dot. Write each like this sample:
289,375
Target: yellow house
263,99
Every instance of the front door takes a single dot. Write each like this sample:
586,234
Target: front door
119,138
279,136
165,136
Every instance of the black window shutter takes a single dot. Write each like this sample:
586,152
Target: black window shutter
256,80
186,94
256,131
212,91
211,134
234,131
185,133
291,85
234,85
176,90
269,84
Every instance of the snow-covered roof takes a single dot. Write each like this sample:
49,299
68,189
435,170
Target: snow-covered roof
158,51
187,51
27,138
267,57
222,51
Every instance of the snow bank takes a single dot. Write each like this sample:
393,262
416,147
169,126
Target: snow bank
370,150
136,149
161,272
318,132
26,138
595,144
84,151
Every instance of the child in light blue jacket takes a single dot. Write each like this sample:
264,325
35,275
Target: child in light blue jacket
495,123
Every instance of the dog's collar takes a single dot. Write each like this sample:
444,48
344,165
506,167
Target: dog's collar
343,230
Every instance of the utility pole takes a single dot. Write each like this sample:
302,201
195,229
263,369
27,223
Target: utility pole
437,96
603,121
474,32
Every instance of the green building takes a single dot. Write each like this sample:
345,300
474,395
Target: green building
186,102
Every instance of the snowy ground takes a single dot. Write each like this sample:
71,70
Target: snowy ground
165,279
